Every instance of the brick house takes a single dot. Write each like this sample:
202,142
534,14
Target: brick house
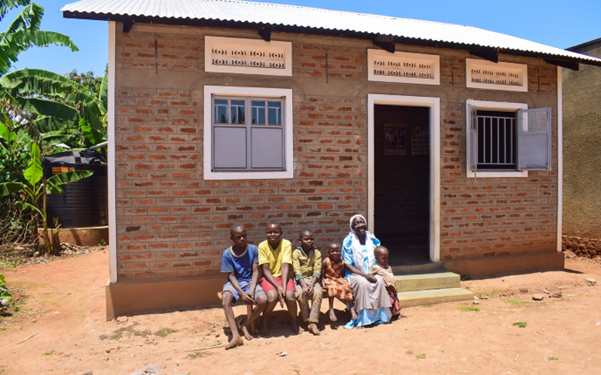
582,119
248,112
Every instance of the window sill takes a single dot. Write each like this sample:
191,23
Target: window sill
272,175
470,174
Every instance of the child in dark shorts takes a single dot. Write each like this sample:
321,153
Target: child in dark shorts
241,261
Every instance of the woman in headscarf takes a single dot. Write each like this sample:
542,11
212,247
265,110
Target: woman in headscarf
372,304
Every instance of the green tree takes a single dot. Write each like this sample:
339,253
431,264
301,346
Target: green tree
87,79
24,32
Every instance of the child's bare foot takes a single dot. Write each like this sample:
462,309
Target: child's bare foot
313,328
296,328
235,342
246,334
333,316
353,314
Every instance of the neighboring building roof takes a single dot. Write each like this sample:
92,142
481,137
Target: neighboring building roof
232,13
586,46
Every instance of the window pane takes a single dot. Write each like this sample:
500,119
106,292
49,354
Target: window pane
496,140
237,111
258,112
230,147
221,111
275,113
267,148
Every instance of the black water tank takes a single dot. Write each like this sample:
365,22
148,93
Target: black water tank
84,203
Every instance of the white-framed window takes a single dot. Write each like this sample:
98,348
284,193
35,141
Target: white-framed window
507,139
247,133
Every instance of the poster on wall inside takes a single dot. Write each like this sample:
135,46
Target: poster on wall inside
395,139
420,140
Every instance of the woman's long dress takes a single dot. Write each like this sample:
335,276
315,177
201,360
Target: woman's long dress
372,303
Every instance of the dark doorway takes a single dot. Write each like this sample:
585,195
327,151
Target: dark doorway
402,182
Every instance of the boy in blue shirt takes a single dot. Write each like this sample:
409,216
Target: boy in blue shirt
240,261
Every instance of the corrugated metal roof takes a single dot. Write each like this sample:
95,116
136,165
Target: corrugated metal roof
297,16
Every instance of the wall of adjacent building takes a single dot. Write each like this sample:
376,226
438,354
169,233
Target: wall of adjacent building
582,150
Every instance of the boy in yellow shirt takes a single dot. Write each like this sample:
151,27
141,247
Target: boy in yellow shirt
275,261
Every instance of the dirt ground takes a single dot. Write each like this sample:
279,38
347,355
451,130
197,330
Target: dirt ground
63,306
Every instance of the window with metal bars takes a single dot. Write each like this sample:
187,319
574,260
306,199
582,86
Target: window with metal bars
496,140
507,137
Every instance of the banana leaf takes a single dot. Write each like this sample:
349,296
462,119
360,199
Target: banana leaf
54,182
51,140
38,82
8,188
6,133
34,171
47,108
22,205
104,93
6,5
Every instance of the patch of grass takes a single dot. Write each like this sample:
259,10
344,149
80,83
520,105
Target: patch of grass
4,264
143,333
102,242
516,303
520,324
118,333
468,308
421,356
552,358
163,332
465,277
48,353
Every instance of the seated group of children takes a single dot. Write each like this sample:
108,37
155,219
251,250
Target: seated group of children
257,275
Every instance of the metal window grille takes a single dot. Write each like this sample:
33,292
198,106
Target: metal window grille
496,140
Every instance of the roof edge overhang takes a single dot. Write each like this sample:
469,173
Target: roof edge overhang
489,53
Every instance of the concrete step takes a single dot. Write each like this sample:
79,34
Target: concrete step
419,268
433,296
425,281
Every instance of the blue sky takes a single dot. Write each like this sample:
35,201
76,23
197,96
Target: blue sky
556,23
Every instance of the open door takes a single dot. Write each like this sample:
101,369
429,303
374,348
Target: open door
402,182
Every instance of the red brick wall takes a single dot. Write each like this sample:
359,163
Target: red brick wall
172,223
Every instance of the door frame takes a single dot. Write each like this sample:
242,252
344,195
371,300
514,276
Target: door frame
408,101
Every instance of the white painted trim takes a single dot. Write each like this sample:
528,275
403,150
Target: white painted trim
209,91
471,174
488,105
112,204
246,46
418,101
559,158
402,58
501,67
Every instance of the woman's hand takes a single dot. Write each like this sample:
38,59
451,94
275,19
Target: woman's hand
371,278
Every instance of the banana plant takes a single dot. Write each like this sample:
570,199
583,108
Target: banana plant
24,32
63,110
38,187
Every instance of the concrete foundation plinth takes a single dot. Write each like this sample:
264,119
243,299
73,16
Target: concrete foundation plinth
146,296
88,236
521,263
